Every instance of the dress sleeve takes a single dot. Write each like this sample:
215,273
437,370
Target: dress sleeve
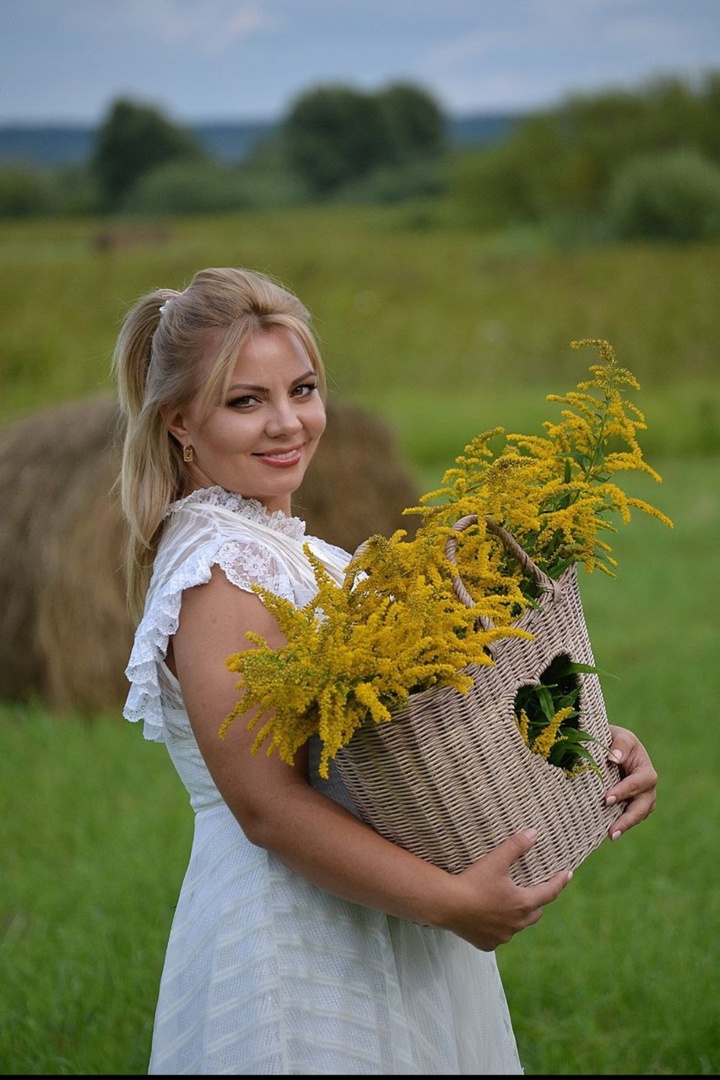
153,687
252,563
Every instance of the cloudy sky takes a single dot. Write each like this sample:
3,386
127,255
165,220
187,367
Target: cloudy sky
200,60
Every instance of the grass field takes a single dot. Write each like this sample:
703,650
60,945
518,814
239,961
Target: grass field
423,324
619,976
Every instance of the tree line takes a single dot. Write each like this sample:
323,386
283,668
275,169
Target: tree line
620,164
333,137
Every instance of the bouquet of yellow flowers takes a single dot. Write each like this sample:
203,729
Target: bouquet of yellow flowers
420,624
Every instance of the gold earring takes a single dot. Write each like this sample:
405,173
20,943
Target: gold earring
188,453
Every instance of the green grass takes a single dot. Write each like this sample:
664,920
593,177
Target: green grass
433,427
451,319
617,978
96,830
445,334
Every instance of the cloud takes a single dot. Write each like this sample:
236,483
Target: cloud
531,52
66,59
211,26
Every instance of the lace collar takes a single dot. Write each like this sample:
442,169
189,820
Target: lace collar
252,509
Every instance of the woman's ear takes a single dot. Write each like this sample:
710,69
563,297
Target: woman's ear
175,422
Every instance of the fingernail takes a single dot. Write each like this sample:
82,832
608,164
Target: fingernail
530,834
610,800
616,835
569,875
616,755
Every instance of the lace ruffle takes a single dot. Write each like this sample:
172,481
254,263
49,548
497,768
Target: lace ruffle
213,527
243,563
249,508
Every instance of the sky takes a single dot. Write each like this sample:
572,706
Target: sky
67,61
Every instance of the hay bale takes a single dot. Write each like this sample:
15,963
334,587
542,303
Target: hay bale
356,484
65,634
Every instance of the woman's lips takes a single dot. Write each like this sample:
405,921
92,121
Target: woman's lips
281,459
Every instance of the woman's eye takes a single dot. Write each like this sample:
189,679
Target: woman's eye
243,402
305,388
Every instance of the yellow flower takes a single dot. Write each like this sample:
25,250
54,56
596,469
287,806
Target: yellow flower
396,625
551,733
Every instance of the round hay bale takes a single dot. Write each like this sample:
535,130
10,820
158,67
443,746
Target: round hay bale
356,485
65,634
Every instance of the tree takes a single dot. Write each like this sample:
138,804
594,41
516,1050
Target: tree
561,164
415,123
133,140
334,134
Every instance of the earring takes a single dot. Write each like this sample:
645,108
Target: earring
188,453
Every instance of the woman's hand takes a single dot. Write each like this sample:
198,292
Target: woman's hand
490,907
638,780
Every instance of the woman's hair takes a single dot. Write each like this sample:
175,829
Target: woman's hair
172,347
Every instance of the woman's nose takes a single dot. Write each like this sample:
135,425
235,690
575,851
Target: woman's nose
283,418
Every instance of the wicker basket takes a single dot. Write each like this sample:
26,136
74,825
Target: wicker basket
450,776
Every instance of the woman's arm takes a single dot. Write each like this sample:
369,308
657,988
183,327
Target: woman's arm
313,835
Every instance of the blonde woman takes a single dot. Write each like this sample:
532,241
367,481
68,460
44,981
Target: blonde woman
302,942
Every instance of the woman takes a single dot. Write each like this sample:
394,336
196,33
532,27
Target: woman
302,941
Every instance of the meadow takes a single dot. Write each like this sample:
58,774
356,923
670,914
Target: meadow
444,333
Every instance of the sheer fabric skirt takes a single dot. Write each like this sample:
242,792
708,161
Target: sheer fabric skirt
264,973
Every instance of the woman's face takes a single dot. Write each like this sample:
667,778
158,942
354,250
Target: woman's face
259,439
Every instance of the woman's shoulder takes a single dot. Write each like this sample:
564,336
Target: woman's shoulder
253,546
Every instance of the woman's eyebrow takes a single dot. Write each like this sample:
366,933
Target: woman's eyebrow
310,373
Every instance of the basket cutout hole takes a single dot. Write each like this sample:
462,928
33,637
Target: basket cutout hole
537,708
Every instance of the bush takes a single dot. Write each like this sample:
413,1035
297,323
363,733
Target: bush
492,188
388,184
182,187
269,187
667,196
23,192
72,192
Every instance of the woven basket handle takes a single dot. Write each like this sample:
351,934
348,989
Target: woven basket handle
546,583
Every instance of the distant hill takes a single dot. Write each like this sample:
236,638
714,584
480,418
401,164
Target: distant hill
481,128
56,144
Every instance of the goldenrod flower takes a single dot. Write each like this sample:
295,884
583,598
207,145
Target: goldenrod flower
396,626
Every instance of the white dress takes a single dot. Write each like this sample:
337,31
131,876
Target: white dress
264,972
